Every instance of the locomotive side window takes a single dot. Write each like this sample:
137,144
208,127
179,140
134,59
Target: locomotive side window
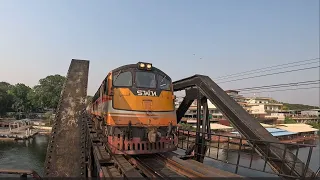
105,86
164,82
146,79
122,78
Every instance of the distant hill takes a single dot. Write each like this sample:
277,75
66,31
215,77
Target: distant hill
288,106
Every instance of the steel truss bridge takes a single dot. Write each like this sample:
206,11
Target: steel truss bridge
76,149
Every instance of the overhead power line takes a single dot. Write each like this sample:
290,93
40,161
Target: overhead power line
294,70
280,65
301,83
282,90
267,70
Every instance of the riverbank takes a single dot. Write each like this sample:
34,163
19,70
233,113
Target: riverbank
23,132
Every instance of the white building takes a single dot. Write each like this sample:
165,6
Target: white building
311,112
213,111
265,108
260,107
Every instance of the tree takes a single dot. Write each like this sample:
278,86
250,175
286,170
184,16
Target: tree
285,107
47,93
5,86
5,98
20,92
5,101
299,106
288,120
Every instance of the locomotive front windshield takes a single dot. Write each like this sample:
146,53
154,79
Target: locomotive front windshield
142,79
151,80
146,80
142,83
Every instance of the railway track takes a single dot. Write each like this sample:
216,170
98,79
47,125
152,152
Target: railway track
149,166
154,167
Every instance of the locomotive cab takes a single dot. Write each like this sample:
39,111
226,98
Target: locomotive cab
136,102
136,87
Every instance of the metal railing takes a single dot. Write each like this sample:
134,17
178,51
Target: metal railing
241,152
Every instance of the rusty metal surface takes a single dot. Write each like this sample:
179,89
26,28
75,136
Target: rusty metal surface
20,172
66,149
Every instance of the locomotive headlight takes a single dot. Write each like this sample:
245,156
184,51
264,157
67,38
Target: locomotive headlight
142,65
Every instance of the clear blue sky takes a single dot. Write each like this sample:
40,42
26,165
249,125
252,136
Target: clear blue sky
38,38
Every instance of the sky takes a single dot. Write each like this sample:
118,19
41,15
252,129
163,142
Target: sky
181,37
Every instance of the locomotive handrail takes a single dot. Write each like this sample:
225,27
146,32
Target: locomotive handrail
241,119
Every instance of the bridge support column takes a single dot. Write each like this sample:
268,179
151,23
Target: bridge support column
200,145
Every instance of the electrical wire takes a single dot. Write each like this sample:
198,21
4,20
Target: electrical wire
254,70
282,90
265,71
302,83
294,70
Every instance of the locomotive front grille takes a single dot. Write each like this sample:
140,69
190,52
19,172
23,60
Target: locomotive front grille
120,143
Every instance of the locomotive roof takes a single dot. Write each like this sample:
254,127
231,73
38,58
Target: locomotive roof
154,69
128,66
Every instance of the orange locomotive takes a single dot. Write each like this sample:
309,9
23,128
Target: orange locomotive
135,104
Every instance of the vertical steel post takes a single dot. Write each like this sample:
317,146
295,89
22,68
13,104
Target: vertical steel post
198,143
205,119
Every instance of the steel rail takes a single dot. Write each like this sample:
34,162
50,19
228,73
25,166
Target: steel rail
146,169
188,172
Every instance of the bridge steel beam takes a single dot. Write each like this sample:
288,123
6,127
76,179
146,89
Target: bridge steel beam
281,161
66,149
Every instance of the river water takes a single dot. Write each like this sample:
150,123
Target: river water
30,154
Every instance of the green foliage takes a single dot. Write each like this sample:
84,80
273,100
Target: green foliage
315,125
21,98
6,100
47,93
287,106
5,86
19,92
288,120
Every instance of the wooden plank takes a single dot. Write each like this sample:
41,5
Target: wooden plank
127,169
209,171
